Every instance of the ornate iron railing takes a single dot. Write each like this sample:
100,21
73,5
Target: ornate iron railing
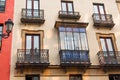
102,18
69,14
33,13
109,57
74,56
32,56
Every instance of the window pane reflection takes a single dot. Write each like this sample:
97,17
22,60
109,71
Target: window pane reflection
73,38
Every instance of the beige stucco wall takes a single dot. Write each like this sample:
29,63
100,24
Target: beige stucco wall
50,40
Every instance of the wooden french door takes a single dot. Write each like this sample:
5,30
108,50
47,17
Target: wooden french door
32,47
32,7
67,7
108,49
32,41
99,10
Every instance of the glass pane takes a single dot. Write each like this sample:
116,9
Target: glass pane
82,30
61,29
103,44
72,78
64,6
110,47
95,9
109,44
77,41
69,41
35,12
36,42
78,78
72,39
76,30
2,0
75,77
36,4
62,40
29,4
1,29
101,7
69,29
70,8
83,41
2,3
35,78
29,8
28,42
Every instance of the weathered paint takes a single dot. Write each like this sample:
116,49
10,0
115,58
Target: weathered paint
6,43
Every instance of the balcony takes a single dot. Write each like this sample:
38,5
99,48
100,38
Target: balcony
32,16
103,20
32,58
109,59
69,15
74,58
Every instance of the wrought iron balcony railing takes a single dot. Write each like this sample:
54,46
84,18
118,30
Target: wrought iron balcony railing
31,56
109,58
74,58
69,14
32,16
103,20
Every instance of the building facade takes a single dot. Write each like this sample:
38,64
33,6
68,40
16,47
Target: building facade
66,39
6,12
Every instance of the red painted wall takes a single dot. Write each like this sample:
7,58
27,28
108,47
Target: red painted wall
5,53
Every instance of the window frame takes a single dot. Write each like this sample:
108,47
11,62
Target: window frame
37,32
114,75
33,4
32,40
3,7
81,47
32,7
75,75
70,24
111,35
100,15
99,4
35,75
67,7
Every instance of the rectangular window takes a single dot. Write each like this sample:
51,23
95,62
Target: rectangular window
32,47
1,31
32,8
2,5
32,41
108,49
106,44
99,10
75,77
73,38
114,77
67,7
32,77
